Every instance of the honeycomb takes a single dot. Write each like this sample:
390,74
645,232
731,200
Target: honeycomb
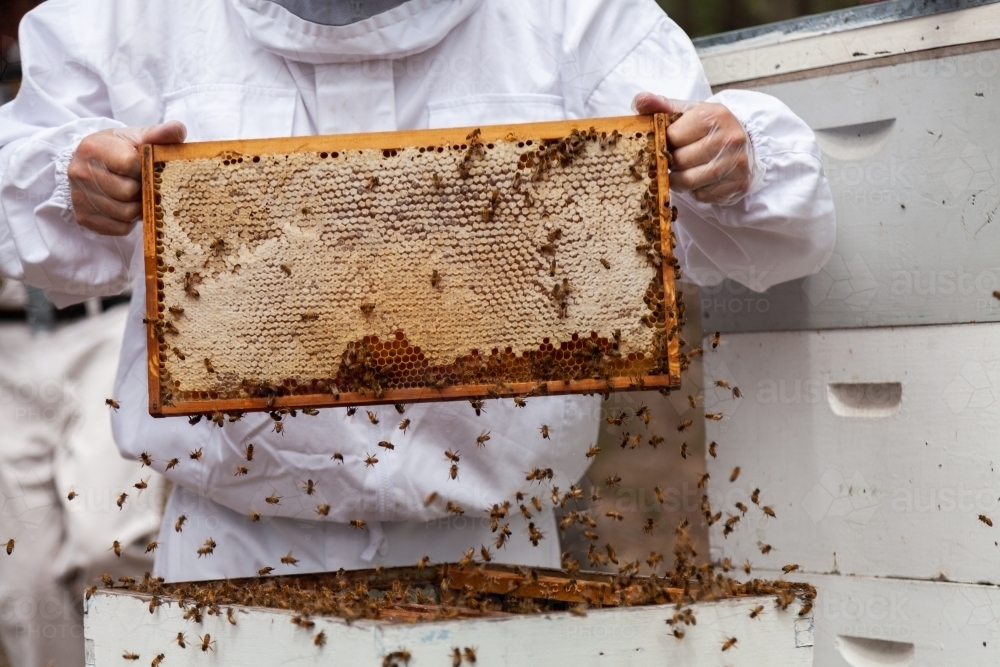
470,267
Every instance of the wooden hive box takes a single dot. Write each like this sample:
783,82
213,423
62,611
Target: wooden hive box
124,622
410,266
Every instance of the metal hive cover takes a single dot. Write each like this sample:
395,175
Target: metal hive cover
409,266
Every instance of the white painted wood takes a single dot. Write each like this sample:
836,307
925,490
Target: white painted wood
894,490
778,53
912,154
116,622
872,622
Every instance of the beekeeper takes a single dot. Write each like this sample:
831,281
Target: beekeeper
103,76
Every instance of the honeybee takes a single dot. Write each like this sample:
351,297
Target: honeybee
712,449
684,450
613,481
89,593
112,403
320,638
729,643
145,460
312,412
643,413
208,365
617,418
176,311
482,438
338,457
372,417
703,480
764,548
289,559
130,656
747,566
431,497
982,517
177,353
617,516
734,474
453,471
116,546
195,455
273,499
107,580
741,507
755,612
351,411
121,501
755,497
206,643
71,495
605,263
367,308
806,608
152,546
769,511
157,660
190,280
172,463
684,425
544,430
454,508
254,516
716,339
648,528
10,545
403,425
194,419
593,451
996,294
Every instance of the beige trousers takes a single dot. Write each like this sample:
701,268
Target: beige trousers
55,437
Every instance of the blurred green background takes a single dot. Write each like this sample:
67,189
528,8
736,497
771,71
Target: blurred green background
707,17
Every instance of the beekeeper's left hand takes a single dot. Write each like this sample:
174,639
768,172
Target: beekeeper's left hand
713,157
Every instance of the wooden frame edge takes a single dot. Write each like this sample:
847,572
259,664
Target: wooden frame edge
152,288
661,122
403,138
416,395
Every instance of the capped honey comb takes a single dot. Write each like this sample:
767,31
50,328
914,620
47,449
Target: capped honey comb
410,266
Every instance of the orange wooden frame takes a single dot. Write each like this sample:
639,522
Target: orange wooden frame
386,140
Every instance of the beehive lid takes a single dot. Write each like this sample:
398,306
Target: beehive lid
410,266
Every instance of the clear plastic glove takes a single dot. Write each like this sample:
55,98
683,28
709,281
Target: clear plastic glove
713,157
104,176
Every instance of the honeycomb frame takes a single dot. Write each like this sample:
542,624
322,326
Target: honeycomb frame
383,365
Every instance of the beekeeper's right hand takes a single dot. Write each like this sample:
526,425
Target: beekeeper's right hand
104,175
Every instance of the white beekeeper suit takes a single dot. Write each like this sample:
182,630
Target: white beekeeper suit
251,68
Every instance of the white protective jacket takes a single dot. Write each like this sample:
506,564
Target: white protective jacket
249,68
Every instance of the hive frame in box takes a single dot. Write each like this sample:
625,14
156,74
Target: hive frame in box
162,401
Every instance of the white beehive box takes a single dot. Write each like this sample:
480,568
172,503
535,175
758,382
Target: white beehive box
116,622
873,622
905,111
876,448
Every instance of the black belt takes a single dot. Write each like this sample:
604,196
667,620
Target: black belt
77,311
